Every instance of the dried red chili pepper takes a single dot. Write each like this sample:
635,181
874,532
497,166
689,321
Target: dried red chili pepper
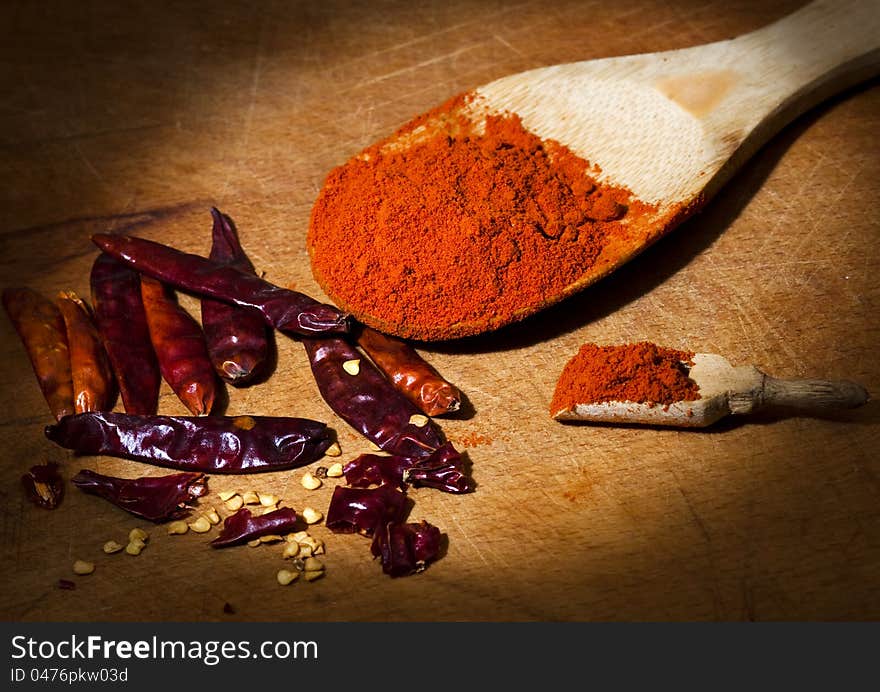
244,526
40,327
441,470
285,310
223,444
410,373
237,338
362,510
180,347
368,402
94,386
406,549
44,485
122,324
156,499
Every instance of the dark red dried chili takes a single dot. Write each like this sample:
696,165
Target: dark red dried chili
244,526
156,499
40,327
237,338
368,402
285,310
44,485
362,510
180,347
417,379
94,387
441,470
405,549
122,324
223,444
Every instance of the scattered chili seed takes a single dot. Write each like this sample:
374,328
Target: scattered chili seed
200,525
178,527
267,500
418,420
335,470
309,482
135,547
82,567
311,515
212,516
233,504
227,495
250,498
138,534
285,576
352,367
111,547
333,450
290,550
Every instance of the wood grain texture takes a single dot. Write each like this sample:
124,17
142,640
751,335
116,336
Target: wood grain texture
143,117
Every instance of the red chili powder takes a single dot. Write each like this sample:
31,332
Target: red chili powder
462,224
642,372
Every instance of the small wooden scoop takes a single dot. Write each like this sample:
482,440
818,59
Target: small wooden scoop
725,390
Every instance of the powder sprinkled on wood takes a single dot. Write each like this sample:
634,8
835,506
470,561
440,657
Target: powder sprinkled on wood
642,372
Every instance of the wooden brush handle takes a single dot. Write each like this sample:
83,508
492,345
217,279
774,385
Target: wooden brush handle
815,395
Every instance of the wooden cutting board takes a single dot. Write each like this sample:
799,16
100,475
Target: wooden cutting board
141,118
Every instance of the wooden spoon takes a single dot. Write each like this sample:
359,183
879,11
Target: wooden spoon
725,390
674,126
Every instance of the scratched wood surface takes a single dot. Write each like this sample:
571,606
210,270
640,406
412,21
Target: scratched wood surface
116,117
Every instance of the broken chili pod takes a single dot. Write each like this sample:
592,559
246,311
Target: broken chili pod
40,326
180,348
222,444
417,379
94,386
362,510
44,485
286,310
237,337
243,526
122,323
156,499
405,549
359,394
441,470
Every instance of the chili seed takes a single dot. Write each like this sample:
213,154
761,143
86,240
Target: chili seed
273,538
233,504
309,482
250,498
135,547
267,500
212,516
256,543
335,470
226,495
290,550
333,450
311,576
138,535
418,420
200,525
177,527
311,515
82,567
352,367
285,576
111,547
312,564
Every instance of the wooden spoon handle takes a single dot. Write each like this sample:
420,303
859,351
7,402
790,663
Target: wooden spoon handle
815,395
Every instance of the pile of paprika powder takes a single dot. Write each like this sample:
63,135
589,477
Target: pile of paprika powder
468,220
642,372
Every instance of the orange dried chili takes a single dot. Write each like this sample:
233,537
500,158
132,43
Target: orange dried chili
41,328
93,382
642,372
417,379
180,348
